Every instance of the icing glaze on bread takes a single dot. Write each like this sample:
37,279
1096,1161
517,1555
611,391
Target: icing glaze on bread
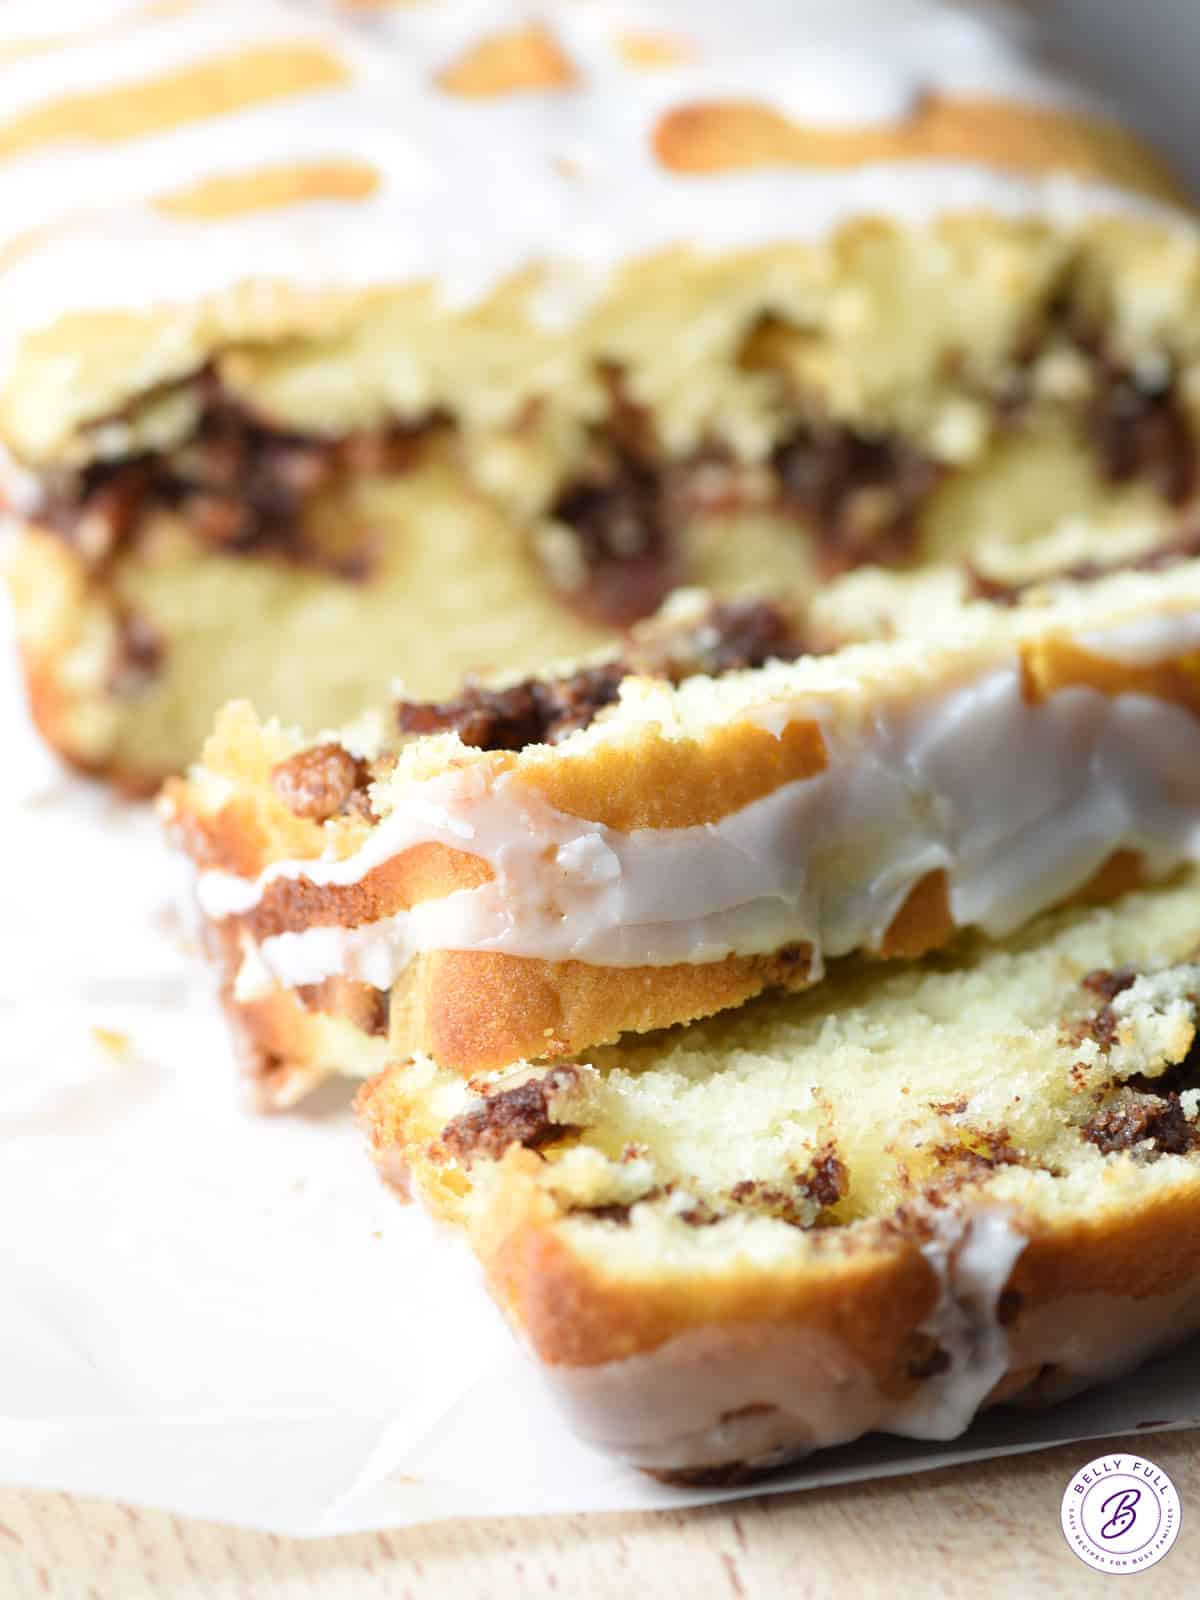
270,163
699,841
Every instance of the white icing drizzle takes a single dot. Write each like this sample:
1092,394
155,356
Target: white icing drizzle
1019,803
28,22
475,191
1144,640
972,1255
137,55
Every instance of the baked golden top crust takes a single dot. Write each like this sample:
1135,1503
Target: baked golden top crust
187,175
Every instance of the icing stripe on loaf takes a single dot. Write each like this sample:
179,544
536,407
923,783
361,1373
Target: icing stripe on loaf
541,125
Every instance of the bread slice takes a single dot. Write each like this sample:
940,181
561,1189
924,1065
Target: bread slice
910,1193
366,354
583,856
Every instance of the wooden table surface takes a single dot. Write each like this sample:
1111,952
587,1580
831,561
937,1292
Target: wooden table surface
988,1529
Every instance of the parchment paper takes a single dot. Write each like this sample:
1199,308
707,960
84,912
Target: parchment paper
228,1316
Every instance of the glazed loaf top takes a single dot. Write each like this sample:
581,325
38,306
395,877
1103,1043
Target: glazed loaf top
181,176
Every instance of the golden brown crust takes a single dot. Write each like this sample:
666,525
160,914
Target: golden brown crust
476,1011
1051,664
657,782
49,589
923,922
711,137
571,1313
867,1296
269,187
519,61
1124,870
244,78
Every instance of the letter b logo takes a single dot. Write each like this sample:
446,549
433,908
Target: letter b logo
1122,1507
1121,1514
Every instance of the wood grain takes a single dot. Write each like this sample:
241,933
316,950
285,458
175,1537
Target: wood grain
990,1529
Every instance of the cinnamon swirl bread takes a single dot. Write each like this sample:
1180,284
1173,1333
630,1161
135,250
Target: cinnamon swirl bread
539,866
908,1194
341,342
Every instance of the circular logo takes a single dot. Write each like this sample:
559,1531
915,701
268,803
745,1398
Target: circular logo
1121,1514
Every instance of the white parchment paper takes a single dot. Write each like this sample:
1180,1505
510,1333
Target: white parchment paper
228,1316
